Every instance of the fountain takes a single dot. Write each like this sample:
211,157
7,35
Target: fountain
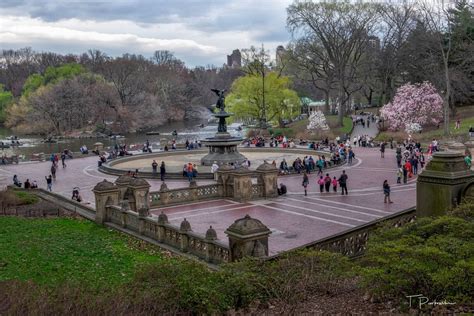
222,147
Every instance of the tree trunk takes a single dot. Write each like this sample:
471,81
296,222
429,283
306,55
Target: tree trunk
446,97
326,103
340,114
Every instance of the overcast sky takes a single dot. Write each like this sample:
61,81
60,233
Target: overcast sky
200,32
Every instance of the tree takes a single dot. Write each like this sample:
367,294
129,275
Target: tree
395,25
52,75
6,98
257,64
311,64
435,19
317,121
414,104
461,19
246,102
342,29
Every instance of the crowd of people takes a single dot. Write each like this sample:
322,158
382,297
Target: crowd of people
326,183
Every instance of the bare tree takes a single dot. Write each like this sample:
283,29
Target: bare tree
313,65
436,21
343,30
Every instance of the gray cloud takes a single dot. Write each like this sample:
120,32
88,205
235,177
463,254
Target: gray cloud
199,32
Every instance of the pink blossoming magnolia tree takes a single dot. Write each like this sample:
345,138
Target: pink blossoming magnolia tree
414,104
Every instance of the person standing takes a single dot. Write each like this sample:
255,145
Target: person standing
386,192
49,182
305,183
350,156
343,182
189,171
327,182
399,175
405,174
320,165
399,156
162,171
382,150
422,160
214,169
414,164
154,166
321,184
53,171
63,160
334,184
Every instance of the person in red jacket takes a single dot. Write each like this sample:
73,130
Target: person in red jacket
408,168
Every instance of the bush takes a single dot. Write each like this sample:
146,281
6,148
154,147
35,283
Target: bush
432,256
284,131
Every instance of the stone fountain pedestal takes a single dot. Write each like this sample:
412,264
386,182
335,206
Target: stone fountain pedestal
222,147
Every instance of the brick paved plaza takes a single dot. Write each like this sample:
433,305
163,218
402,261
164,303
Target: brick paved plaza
294,218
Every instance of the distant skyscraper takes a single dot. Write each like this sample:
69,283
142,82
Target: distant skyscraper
280,52
235,59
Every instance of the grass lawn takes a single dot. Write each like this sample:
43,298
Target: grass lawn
298,128
52,251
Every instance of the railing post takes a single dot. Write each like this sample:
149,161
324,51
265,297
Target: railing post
211,236
184,228
164,194
193,190
142,214
162,221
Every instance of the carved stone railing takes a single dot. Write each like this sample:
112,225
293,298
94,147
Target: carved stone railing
183,195
353,242
257,190
182,240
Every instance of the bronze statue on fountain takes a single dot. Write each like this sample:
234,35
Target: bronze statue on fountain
222,147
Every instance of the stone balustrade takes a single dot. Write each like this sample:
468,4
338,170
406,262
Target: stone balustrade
232,183
353,242
183,195
182,238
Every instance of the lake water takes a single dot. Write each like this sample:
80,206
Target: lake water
187,130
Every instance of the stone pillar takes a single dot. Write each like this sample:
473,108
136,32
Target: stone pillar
223,178
184,228
440,185
122,183
106,193
248,237
242,184
267,179
140,188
